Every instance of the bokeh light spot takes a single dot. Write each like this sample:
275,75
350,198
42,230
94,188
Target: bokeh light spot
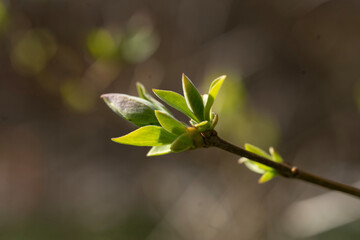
32,51
78,96
101,44
140,44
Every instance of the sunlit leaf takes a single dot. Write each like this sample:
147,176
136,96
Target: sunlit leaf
193,98
192,122
256,150
159,150
182,143
147,136
205,98
253,166
213,92
136,110
267,177
275,155
196,136
202,126
169,123
143,93
214,118
176,101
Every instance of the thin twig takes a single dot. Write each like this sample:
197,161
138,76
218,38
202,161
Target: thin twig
211,139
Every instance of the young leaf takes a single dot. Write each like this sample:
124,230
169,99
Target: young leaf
193,98
159,150
204,125
253,166
267,177
169,123
195,135
176,101
147,136
214,118
142,91
136,110
275,155
145,95
205,98
193,123
256,150
182,143
213,92
268,172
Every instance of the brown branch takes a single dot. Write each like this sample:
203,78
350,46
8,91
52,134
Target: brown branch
286,170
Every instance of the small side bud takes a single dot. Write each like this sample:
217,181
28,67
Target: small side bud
195,136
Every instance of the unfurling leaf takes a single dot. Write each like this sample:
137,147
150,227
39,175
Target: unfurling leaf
213,92
136,110
193,98
159,150
256,150
147,136
202,126
253,166
275,155
268,173
267,177
145,95
176,101
182,143
170,124
196,137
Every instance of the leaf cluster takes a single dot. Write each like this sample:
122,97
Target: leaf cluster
158,128
267,173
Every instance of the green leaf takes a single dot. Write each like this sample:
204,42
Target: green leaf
182,143
253,166
193,98
159,150
275,155
213,92
176,101
136,110
267,177
192,122
256,150
205,98
147,136
203,126
170,124
143,93
214,119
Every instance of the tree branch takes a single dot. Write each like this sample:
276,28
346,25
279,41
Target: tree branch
211,139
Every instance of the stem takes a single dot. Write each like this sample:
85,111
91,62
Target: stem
284,169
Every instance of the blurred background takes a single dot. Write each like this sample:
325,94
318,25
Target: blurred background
293,72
